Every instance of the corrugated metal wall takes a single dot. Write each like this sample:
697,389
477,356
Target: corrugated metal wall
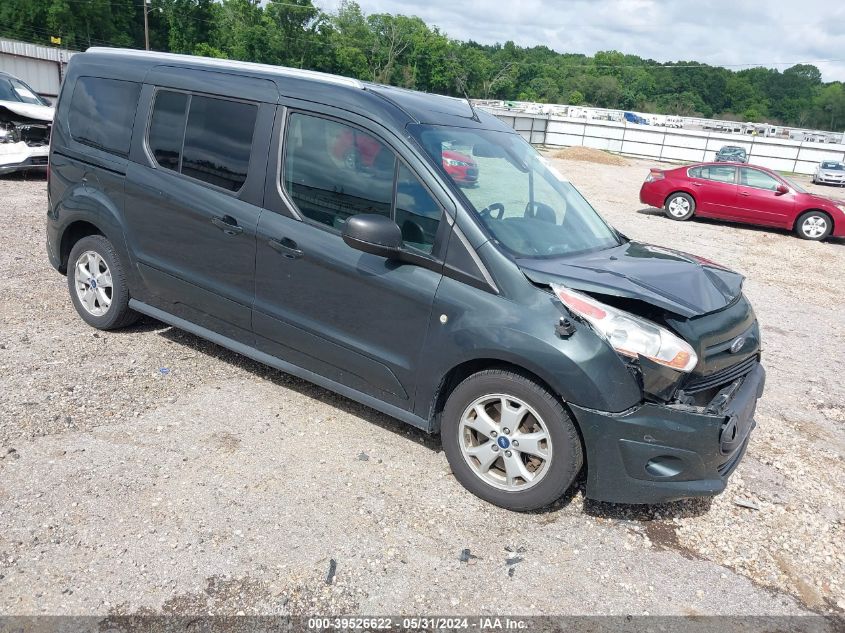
41,67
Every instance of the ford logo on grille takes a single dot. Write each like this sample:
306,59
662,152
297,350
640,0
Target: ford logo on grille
737,344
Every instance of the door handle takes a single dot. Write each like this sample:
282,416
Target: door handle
286,247
744,193
697,184
227,224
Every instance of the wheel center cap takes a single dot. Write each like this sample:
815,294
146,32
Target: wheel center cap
503,442
93,283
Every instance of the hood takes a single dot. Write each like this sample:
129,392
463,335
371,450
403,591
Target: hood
823,199
30,110
680,283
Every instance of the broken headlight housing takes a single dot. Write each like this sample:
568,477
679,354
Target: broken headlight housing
628,334
9,134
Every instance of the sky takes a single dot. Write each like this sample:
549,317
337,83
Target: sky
731,33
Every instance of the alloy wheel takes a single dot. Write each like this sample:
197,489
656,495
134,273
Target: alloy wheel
814,226
93,283
505,442
679,207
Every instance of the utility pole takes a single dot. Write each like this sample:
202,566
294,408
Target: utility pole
146,28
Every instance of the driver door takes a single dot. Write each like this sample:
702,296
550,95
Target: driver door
355,318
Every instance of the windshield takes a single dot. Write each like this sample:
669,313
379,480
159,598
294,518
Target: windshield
12,89
529,208
833,166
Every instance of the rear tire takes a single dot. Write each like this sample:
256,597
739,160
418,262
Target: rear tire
679,206
97,284
813,225
522,460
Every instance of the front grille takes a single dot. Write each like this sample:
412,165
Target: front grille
472,172
38,160
722,377
35,135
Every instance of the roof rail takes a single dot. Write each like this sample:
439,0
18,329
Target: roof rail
214,62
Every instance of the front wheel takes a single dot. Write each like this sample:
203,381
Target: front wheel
97,284
813,225
510,441
680,206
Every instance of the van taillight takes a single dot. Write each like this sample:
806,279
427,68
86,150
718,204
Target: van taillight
654,174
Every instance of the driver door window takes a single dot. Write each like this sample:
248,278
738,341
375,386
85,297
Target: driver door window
334,171
757,179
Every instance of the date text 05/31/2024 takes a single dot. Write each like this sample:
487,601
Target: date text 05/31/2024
421,623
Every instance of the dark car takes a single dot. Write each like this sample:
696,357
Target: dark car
507,317
743,193
731,154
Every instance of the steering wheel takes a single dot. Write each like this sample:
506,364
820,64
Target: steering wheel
487,212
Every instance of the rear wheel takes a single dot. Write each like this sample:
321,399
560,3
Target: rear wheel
813,225
510,441
680,206
97,284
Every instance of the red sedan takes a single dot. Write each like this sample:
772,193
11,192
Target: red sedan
743,193
460,167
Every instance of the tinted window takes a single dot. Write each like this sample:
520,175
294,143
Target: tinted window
218,140
334,171
417,214
167,128
757,179
833,166
695,172
102,112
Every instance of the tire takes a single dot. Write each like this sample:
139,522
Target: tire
813,225
100,305
679,206
551,463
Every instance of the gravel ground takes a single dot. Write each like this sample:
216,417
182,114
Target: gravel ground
150,471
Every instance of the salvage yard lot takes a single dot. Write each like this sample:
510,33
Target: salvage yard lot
150,470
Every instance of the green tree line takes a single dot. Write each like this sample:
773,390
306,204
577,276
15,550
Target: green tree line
405,51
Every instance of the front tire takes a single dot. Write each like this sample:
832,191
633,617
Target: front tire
680,206
510,441
97,284
813,225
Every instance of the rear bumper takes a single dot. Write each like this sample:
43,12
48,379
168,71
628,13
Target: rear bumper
651,197
657,453
18,156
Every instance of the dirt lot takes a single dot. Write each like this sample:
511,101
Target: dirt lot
147,470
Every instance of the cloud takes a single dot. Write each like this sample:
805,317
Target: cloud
718,32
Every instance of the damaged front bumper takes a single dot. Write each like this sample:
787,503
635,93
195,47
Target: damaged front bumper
19,156
662,452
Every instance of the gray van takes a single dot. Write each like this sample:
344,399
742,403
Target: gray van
325,227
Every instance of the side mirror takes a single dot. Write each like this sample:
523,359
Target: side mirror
782,189
374,234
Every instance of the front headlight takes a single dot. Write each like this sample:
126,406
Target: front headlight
8,136
630,335
455,163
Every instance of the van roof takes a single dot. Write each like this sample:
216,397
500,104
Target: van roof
414,106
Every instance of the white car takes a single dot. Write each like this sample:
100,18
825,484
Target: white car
830,172
25,120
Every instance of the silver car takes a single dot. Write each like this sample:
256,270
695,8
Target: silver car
830,172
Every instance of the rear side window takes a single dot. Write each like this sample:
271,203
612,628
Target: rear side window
218,141
102,112
334,171
206,138
167,128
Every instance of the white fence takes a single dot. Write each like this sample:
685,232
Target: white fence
667,144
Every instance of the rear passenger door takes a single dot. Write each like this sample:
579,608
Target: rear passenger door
714,187
191,205
355,318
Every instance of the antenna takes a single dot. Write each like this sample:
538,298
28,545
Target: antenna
463,89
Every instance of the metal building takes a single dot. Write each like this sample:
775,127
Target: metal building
42,67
